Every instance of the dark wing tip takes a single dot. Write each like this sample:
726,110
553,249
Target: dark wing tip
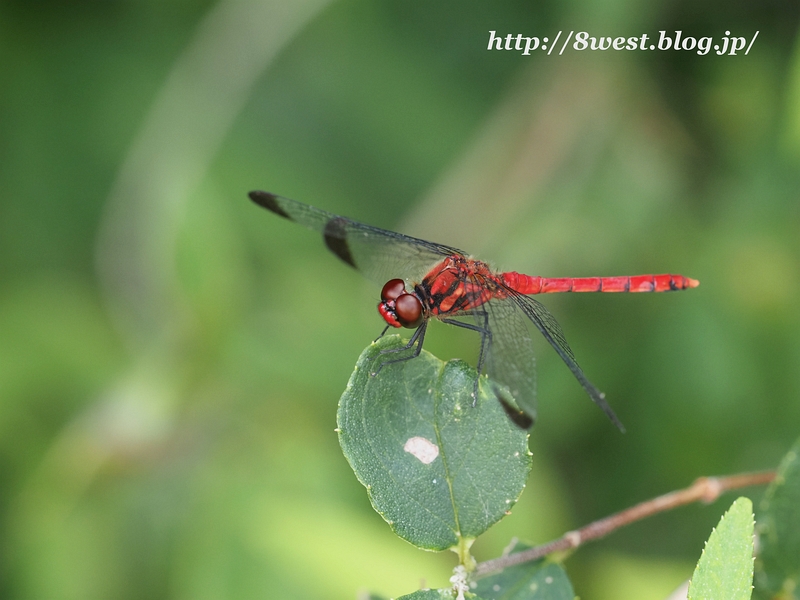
335,235
599,398
619,425
520,418
268,201
601,402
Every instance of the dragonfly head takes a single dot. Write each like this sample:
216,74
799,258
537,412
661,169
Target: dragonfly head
398,307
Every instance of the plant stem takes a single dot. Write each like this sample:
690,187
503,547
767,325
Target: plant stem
464,557
705,489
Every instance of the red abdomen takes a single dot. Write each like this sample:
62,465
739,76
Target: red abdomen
527,284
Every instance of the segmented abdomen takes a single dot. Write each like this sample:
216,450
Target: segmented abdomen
527,284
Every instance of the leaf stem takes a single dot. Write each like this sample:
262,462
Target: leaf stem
704,489
464,557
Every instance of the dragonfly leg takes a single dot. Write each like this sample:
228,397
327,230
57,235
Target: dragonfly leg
486,339
385,329
417,338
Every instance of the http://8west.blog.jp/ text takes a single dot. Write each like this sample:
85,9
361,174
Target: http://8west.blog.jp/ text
727,44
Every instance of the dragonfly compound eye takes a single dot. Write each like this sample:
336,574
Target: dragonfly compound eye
393,289
408,309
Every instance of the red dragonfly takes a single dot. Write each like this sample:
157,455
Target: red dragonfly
424,280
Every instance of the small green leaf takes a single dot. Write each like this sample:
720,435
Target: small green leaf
778,562
536,580
725,569
439,470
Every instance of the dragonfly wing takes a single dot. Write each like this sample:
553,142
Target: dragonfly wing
379,254
509,358
551,330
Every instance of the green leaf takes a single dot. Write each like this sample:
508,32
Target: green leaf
725,569
778,562
439,470
443,594
536,580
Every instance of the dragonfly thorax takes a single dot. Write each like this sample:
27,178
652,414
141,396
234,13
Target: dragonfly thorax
398,307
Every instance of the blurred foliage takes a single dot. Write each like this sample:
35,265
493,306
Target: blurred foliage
171,357
778,561
538,580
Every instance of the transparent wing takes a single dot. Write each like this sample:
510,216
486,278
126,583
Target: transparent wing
551,330
379,254
508,355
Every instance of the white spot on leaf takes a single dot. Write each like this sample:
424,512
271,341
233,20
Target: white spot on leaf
422,449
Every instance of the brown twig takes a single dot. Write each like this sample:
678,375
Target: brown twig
705,489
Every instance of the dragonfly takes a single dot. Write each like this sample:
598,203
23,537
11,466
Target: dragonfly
424,280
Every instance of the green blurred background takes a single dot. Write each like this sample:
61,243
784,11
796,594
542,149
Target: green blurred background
171,356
